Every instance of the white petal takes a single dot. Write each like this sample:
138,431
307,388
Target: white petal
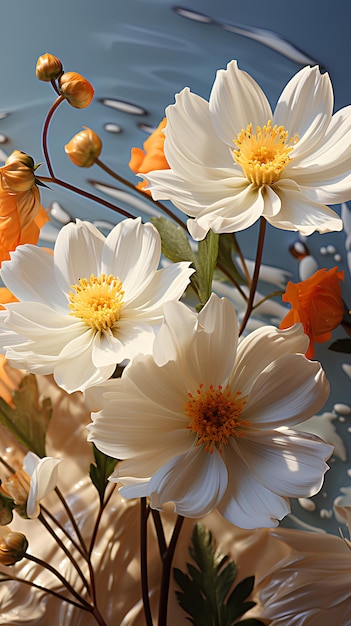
77,253
299,212
134,337
166,284
75,370
194,482
190,138
288,391
289,463
236,100
43,481
132,253
105,349
247,503
262,347
30,277
176,332
211,354
305,107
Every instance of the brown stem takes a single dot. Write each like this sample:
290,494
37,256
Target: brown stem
159,532
65,550
144,514
85,194
98,518
63,529
71,518
166,572
259,252
141,193
48,118
61,578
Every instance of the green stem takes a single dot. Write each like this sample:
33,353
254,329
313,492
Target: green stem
258,261
166,572
98,519
144,514
279,292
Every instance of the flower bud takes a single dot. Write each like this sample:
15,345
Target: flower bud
48,67
17,174
17,487
6,507
76,89
13,547
84,148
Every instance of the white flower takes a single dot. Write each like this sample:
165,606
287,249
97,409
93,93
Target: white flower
96,302
205,422
233,159
43,475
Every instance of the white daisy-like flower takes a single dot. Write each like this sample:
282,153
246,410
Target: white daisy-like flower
205,421
94,303
233,159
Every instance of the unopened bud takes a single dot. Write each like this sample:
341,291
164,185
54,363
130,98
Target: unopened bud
84,148
6,507
48,67
13,547
17,487
17,174
76,89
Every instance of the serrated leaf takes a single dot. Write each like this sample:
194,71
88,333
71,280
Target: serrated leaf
100,472
205,587
29,419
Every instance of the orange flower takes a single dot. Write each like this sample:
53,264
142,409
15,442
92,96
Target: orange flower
316,303
152,157
21,217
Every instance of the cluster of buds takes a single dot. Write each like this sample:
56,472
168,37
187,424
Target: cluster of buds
13,547
72,86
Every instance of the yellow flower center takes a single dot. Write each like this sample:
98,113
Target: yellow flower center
214,415
97,301
263,155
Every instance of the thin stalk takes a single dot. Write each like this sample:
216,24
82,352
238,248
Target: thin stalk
242,259
48,119
98,519
71,518
86,194
61,578
144,514
279,292
166,572
141,193
42,519
159,532
258,261
64,530
84,607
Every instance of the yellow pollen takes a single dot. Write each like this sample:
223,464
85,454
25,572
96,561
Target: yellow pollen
214,415
264,155
97,301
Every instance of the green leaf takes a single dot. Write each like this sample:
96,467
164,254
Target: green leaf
100,472
205,588
227,246
205,264
175,244
29,420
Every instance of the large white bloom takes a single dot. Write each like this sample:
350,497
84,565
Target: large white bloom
96,302
205,422
233,159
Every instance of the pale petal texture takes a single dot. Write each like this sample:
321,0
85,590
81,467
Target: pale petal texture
43,479
217,175
95,303
203,422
